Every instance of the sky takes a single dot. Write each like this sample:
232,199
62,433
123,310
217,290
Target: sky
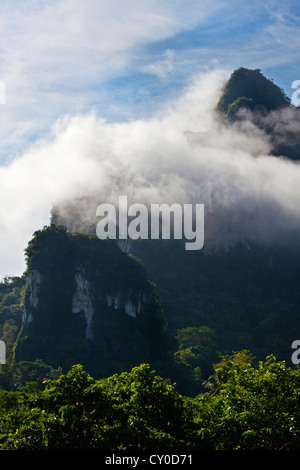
74,75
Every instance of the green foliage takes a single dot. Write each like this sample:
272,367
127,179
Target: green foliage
131,410
247,408
252,408
195,354
248,296
242,102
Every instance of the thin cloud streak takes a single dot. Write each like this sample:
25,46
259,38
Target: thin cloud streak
55,54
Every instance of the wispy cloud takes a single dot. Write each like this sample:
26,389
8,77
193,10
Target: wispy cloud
162,68
56,56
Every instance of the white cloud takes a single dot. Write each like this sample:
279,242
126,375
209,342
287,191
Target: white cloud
55,56
162,68
150,161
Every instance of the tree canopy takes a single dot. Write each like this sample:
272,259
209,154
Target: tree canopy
245,407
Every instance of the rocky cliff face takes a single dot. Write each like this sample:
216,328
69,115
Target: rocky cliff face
33,281
82,301
86,299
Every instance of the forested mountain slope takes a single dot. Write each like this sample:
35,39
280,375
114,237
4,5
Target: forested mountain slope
85,300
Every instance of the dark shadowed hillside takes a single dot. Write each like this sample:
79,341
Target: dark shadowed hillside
88,302
251,89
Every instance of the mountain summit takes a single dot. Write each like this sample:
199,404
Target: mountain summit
249,96
250,89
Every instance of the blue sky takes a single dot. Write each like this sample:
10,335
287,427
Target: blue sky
124,58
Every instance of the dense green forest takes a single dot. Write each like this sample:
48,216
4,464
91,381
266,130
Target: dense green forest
203,306
245,408
251,89
195,393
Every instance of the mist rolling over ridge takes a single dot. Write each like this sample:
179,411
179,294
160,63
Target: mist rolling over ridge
190,154
187,153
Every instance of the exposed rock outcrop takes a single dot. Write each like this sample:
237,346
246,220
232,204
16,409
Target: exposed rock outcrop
85,298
